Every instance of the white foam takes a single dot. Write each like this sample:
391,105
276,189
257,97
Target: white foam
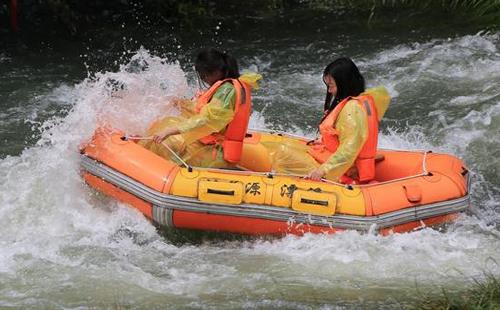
4,58
469,61
43,198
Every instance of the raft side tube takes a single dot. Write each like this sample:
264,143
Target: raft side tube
162,202
130,158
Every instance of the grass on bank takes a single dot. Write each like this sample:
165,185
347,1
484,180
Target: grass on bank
72,13
486,11
484,294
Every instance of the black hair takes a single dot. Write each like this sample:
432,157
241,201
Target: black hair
210,60
349,81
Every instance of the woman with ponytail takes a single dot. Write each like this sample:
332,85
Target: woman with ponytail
213,125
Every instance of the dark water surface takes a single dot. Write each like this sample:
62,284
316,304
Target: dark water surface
63,246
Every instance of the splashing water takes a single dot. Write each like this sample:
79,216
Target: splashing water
60,242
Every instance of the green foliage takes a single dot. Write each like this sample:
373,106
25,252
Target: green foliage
76,15
484,294
61,10
474,9
182,9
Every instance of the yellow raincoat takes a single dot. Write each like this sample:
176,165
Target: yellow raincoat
352,126
213,118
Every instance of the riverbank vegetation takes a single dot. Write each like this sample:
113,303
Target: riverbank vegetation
483,294
485,10
73,16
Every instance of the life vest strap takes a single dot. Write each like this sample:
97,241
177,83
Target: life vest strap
231,140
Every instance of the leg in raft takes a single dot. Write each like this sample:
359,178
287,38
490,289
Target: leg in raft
195,154
290,157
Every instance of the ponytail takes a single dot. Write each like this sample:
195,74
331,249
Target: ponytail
232,70
210,60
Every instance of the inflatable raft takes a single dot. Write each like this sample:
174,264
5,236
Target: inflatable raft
413,189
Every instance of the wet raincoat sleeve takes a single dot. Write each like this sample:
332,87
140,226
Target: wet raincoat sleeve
213,117
352,126
218,113
187,107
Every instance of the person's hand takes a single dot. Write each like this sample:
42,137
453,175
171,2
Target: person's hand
162,135
178,102
316,174
198,94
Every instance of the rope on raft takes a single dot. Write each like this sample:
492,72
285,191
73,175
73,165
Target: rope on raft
272,174
190,169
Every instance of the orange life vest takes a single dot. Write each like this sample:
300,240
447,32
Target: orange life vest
232,138
365,162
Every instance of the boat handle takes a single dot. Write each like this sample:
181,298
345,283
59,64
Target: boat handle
314,202
220,192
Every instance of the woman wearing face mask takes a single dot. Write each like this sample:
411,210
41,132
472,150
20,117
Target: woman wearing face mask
347,145
214,124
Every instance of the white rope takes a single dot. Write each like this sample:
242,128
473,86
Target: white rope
177,156
166,146
273,174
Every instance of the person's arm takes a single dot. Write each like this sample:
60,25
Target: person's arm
186,106
353,132
213,117
216,114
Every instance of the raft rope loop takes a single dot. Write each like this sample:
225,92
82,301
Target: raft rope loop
272,173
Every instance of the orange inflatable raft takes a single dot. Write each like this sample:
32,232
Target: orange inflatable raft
414,189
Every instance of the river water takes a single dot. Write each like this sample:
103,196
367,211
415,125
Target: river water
64,246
